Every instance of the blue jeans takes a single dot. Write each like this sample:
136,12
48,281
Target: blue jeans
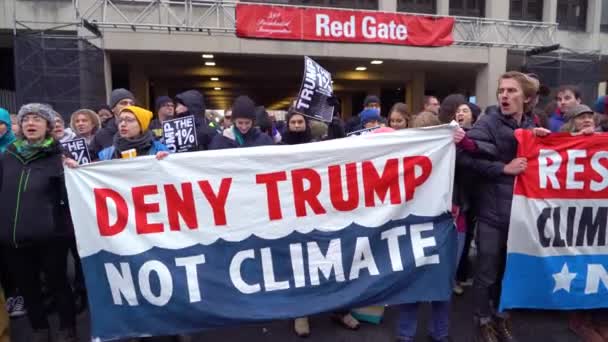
438,324
440,311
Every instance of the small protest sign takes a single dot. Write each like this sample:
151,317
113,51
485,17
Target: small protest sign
315,90
180,134
78,150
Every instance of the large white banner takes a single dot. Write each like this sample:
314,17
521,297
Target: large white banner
212,238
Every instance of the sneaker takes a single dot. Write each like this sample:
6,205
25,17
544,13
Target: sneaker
301,326
9,304
458,290
486,333
17,307
41,335
505,330
443,339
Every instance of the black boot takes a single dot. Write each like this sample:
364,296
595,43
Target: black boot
486,333
505,330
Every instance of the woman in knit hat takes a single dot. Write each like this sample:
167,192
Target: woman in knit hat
32,182
85,123
242,133
134,138
6,130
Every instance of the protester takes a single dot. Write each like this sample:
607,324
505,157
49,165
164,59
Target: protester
165,110
370,102
134,137
6,130
32,175
119,99
431,104
243,133
495,174
567,96
60,132
601,109
227,123
105,114
451,105
85,123
466,116
439,322
298,132
399,117
370,118
192,102
265,123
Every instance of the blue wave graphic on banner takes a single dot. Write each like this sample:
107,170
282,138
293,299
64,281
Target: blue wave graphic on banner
231,283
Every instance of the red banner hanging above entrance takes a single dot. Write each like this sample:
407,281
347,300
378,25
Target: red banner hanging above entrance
349,26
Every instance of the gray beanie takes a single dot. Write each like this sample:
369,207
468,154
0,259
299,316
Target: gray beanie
45,111
119,95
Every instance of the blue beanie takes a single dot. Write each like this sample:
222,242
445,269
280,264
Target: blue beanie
370,114
600,105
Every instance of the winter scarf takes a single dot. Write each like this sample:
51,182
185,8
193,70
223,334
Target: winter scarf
29,151
238,136
141,144
8,137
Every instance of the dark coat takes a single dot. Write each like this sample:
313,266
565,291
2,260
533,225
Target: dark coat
253,138
196,106
104,137
34,201
494,136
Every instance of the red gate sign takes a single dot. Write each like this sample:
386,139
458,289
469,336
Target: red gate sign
349,26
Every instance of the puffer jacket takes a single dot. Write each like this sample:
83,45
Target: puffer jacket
253,138
494,134
34,201
104,137
196,106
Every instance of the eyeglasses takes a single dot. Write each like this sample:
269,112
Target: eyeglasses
126,120
171,105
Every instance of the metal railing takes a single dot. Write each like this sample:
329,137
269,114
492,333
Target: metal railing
218,17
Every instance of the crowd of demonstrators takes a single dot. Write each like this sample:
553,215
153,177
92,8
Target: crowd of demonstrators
31,173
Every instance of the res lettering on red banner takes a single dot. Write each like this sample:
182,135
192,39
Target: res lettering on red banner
316,24
563,166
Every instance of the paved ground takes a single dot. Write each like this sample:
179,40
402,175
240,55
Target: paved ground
530,326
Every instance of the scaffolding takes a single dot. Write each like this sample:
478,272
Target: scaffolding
218,17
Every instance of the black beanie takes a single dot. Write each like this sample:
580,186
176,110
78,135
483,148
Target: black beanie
371,99
243,108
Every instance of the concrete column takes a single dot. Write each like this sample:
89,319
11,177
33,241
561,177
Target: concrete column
107,74
594,16
387,5
139,84
550,11
497,9
443,7
487,78
414,93
347,105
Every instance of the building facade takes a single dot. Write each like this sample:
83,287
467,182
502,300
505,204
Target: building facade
160,47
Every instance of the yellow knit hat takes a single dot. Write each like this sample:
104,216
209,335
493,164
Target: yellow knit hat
142,115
